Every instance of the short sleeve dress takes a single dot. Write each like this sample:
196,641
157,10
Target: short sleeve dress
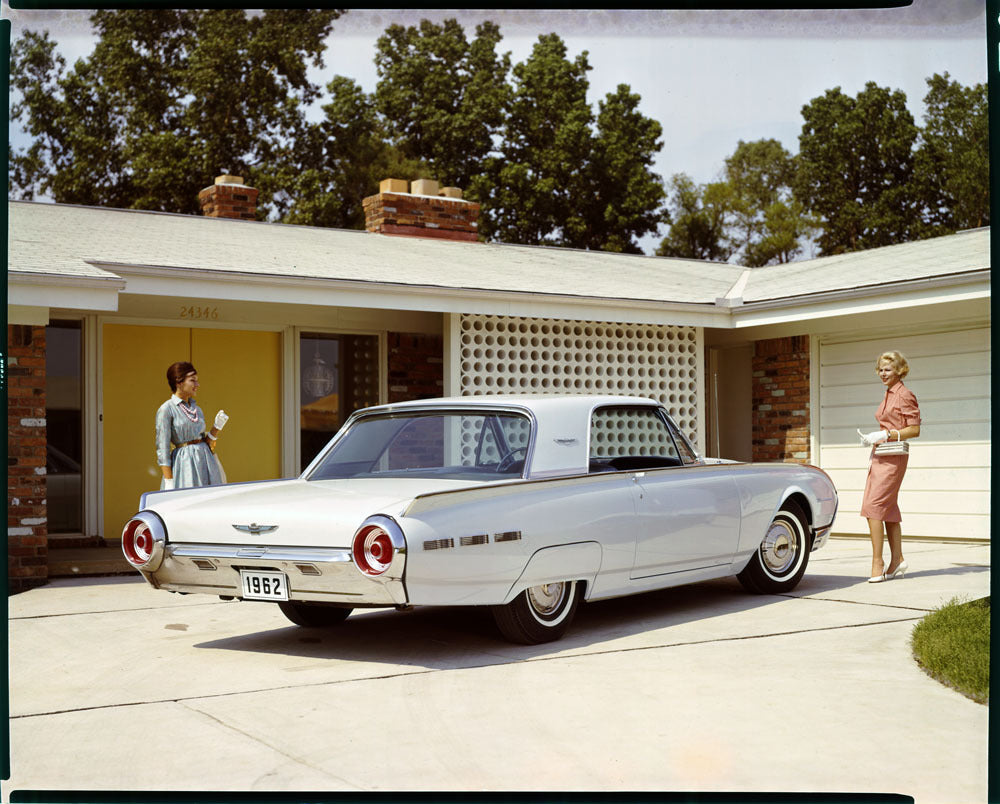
178,422
885,472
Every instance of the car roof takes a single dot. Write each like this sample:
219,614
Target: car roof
529,401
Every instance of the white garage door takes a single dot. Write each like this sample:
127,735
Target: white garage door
946,491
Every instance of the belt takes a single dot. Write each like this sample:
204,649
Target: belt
196,441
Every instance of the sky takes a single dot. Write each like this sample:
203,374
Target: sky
710,77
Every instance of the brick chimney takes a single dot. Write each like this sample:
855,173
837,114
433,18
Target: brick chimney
229,197
425,211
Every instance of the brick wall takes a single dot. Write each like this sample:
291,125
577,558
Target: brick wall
229,198
27,531
416,366
421,216
781,400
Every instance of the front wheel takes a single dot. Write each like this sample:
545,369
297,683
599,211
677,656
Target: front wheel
540,613
780,560
313,615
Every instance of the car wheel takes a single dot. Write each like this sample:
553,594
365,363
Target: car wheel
540,613
780,560
313,615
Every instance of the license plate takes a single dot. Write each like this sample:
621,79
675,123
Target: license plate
264,585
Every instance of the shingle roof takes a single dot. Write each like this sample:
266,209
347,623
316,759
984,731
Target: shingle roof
55,238
921,259
60,239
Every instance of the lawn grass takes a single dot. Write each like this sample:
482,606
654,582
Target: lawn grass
952,645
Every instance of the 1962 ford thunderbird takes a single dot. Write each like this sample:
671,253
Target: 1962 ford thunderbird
525,504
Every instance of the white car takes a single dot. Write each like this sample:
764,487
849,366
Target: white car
525,504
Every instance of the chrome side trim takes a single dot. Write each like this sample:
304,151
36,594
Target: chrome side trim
438,544
468,541
507,536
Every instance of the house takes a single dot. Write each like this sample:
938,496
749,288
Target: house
293,327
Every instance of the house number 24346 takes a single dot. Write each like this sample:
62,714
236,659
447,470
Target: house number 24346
197,313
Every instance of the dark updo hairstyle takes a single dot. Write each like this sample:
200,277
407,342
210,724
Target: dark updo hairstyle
177,372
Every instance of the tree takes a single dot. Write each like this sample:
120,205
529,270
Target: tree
624,198
856,169
766,224
560,177
531,192
952,161
338,162
441,96
167,100
697,216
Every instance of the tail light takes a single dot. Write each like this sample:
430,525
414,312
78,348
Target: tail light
376,544
143,539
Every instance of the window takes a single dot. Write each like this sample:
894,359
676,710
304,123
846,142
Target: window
629,432
338,374
469,445
64,425
630,438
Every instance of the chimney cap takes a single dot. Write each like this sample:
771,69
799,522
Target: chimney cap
226,178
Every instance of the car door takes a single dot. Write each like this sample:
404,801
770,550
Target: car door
687,513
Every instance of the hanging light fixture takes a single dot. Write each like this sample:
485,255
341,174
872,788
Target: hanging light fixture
318,380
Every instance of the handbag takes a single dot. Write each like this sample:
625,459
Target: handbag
893,448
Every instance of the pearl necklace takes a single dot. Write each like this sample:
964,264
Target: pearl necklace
192,417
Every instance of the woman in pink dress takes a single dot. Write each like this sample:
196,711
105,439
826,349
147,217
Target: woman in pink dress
899,419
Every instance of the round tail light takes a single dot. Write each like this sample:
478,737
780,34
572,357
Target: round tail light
376,544
142,541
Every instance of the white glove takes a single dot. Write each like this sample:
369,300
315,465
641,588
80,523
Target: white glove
167,484
220,419
876,437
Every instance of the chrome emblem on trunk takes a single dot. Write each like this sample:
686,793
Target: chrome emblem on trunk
255,529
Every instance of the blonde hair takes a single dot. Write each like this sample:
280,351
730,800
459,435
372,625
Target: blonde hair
899,363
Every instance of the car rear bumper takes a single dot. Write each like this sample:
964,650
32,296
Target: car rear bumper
326,575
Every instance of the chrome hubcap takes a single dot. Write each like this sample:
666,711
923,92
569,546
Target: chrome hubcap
547,598
780,547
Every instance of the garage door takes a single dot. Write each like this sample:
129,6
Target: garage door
946,491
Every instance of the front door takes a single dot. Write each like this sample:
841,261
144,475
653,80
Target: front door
239,371
689,518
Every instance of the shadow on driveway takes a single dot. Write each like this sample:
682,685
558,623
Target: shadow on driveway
445,637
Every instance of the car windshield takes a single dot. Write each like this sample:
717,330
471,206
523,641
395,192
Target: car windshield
461,445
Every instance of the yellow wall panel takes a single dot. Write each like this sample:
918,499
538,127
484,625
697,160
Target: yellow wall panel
134,386
239,371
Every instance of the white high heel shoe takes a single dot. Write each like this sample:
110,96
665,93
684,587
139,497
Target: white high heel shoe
898,572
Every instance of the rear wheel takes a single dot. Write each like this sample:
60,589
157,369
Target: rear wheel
313,615
540,613
780,560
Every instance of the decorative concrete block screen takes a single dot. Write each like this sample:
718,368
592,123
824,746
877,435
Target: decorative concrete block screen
510,355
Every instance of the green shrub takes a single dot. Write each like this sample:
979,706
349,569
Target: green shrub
952,645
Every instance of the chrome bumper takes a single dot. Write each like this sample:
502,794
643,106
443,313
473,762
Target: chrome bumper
316,574
820,535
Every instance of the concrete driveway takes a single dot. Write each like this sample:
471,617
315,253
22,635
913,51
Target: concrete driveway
115,686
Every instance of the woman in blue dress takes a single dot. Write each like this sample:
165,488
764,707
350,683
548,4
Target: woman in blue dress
179,421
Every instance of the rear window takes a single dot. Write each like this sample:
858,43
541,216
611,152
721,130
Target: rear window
447,444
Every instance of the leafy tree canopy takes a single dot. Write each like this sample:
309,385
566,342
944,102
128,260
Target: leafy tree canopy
855,169
766,223
441,96
558,179
697,216
952,162
167,100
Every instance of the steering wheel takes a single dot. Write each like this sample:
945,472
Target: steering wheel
508,460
